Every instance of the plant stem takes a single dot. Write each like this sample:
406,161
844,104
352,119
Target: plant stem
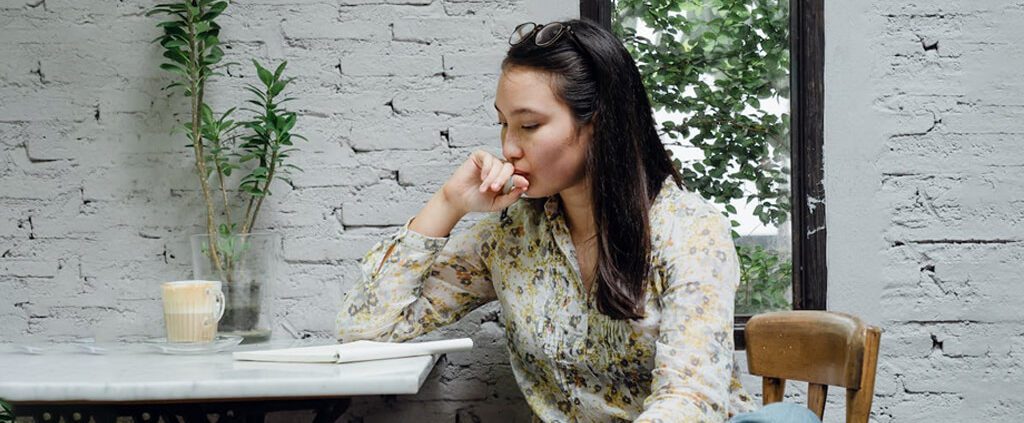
245,217
250,221
266,188
223,191
228,262
197,140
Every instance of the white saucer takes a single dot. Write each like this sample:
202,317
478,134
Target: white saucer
219,343
90,346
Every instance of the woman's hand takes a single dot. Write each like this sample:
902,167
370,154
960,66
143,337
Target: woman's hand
477,185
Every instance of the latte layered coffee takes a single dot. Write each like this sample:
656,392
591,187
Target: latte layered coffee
192,310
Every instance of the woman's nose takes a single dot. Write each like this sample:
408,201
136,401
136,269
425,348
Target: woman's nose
511,150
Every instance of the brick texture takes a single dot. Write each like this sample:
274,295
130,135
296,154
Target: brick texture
923,121
924,194
98,199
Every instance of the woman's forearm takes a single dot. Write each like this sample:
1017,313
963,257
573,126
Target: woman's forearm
437,218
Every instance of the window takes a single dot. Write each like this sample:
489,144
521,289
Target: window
807,205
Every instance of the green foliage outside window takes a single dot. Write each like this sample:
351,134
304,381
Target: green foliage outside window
715,62
765,278
6,412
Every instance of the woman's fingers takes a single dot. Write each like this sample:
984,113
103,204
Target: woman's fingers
480,160
496,173
503,174
516,181
486,173
485,168
519,187
520,181
492,175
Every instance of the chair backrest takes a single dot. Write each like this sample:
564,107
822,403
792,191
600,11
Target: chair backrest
819,347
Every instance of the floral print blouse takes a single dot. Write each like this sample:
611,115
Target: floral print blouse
572,363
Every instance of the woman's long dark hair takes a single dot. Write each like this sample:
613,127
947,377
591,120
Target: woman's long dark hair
626,162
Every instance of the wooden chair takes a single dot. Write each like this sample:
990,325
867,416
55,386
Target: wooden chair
819,347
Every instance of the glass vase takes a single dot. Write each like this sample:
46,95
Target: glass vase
246,266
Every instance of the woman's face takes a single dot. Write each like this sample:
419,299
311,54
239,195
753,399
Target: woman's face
537,134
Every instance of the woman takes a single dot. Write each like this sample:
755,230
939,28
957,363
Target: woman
616,283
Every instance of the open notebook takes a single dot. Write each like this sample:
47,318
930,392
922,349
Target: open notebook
356,351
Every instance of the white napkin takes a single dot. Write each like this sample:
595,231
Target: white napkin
356,351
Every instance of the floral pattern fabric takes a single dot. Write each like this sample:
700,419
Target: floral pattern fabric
573,363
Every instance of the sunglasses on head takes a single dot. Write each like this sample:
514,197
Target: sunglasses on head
543,35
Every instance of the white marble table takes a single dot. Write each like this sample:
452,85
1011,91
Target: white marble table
155,378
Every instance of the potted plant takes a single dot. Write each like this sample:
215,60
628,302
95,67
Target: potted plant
229,251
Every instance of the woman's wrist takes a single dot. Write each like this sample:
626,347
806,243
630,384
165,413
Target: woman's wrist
437,218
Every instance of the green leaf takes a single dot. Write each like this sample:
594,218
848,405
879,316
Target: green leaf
206,113
289,122
227,113
172,43
176,31
265,76
173,68
173,6
279,70
276,88
177,56
201,26
209,38
258,93
213,57
215,51
215,10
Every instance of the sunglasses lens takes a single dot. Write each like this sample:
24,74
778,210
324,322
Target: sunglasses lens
521,32
549,33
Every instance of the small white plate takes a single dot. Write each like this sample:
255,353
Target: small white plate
35,348
44,347
219,343
101,348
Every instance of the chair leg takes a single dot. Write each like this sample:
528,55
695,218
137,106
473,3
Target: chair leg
858,401
773,389
816,394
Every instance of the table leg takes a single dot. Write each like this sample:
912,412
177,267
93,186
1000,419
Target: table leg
331,412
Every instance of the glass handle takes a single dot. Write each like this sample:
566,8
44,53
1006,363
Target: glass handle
222,304
220,300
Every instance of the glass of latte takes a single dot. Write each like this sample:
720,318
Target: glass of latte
192,310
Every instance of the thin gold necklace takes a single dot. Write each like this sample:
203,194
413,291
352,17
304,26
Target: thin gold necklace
583,243
589,238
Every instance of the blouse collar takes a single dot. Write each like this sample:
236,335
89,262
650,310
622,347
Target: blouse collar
552,206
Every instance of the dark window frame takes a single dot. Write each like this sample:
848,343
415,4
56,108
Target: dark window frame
807,71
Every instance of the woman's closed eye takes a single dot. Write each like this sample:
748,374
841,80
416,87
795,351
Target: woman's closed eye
526,127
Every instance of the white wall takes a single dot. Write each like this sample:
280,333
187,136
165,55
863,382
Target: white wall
98,200
922,168
924,199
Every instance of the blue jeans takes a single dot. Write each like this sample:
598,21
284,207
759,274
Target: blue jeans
778,412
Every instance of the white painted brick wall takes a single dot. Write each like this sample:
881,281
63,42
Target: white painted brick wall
98,200
922,174
923,127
